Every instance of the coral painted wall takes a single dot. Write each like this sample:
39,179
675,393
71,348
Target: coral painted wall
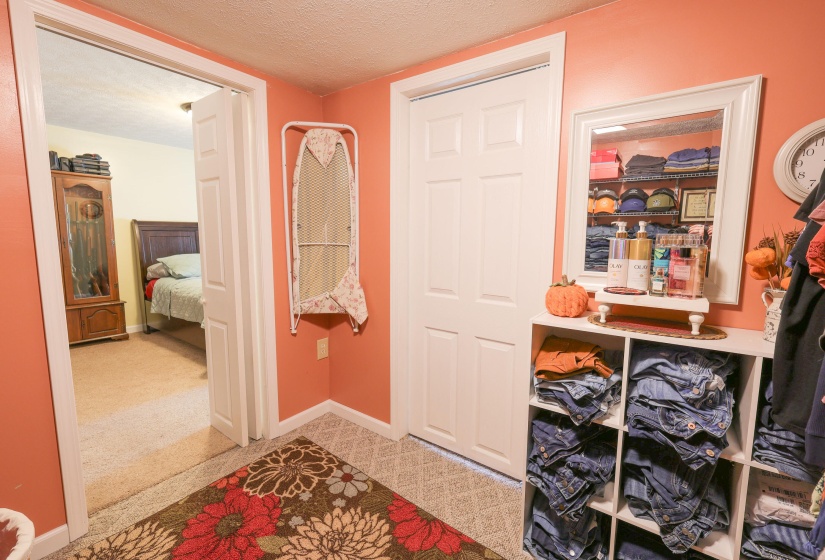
29,469
621,51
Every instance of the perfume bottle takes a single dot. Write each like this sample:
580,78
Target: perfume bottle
658,282
681,281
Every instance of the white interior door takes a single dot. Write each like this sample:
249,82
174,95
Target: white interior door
477,184
218,209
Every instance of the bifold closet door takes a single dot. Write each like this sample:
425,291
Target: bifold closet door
215,179
476,195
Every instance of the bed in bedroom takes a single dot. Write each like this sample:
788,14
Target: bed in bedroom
169,253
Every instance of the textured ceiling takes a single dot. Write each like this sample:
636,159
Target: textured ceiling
327,45
91,89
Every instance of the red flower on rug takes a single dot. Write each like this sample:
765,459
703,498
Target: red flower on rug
232,480
229,530
417,530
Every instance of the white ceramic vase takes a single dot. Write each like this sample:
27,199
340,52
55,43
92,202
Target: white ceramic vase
773,304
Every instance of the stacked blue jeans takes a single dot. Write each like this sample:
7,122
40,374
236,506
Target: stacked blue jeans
597,247
569,464
556,537
781,448
686,503
777,541
637,544
587,396
678,397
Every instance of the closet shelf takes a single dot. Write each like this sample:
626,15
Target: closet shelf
717,545
668,177
620,214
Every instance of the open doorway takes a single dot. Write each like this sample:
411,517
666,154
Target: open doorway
252,212
120,138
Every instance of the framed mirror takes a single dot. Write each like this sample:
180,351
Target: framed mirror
680,160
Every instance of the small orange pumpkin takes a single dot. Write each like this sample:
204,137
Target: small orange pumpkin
566,299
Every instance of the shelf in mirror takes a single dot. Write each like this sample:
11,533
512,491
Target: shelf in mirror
667,177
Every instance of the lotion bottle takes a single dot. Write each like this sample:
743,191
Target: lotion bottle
638,272
617,260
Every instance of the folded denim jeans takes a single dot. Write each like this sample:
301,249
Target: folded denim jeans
776,541
687,504
556,437
552,536
781,448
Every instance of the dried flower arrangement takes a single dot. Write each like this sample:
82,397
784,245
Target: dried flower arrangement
769,259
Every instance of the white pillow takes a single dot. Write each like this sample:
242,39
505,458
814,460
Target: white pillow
183,266
157,270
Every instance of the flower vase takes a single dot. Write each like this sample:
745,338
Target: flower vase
773,304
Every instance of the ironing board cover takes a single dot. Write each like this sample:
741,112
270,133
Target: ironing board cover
324,277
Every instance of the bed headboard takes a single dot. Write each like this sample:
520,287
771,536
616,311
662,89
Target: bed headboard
154,240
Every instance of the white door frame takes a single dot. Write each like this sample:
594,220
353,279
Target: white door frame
545,51
25,16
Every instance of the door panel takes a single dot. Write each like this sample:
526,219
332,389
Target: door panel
477,184
215,179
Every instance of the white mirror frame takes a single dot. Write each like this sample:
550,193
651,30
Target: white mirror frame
740,101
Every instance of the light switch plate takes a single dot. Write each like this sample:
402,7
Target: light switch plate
323,348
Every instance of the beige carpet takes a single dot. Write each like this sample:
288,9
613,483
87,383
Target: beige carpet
478,502
143,414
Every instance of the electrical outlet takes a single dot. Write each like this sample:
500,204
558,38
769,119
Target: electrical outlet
323,348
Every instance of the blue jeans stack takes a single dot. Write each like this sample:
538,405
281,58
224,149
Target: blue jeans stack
568,464
781,448
679,410
777,541
638,544
586,396
597,247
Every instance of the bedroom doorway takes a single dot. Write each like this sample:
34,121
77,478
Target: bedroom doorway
152,401
26,17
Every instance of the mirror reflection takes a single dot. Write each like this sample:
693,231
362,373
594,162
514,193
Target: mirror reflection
660,176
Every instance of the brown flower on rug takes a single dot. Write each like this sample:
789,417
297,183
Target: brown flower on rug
340,535
417,530
143,541
230,529
290,470
299,502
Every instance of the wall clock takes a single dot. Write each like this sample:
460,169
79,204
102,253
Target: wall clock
801,160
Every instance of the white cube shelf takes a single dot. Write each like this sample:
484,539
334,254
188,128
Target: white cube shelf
752,351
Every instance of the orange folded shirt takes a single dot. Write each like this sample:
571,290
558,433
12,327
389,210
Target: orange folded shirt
564,357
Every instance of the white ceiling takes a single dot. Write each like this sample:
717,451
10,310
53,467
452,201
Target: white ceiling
327,45
89,88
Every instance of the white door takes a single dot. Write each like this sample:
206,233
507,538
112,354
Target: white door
215,178
477,185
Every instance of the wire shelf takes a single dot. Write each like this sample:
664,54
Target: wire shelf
667,177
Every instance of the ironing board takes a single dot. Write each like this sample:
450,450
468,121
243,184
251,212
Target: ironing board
322,257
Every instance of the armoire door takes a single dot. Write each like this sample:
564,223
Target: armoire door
477,180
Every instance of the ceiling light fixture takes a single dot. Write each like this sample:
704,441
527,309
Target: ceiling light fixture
186,107
604,130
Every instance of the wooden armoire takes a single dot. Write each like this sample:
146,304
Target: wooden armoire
88,257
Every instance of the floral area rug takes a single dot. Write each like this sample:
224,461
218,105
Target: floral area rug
299,502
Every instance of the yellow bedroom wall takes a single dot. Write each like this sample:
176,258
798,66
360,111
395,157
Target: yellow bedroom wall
149,182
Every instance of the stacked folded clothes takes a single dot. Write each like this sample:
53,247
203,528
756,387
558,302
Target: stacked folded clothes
90,163
597,247
586,396
644,166
687,504
570,464
553,537
678,397
637,544
560,358
689,161
777,541
780,448
713,163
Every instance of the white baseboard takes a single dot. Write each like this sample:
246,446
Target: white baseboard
345,412
368,422
302,418
134,328
50,542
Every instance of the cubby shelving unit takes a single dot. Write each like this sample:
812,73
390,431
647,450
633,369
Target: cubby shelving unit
754,354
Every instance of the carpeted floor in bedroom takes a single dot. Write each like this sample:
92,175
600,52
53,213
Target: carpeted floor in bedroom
478,502
143,414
